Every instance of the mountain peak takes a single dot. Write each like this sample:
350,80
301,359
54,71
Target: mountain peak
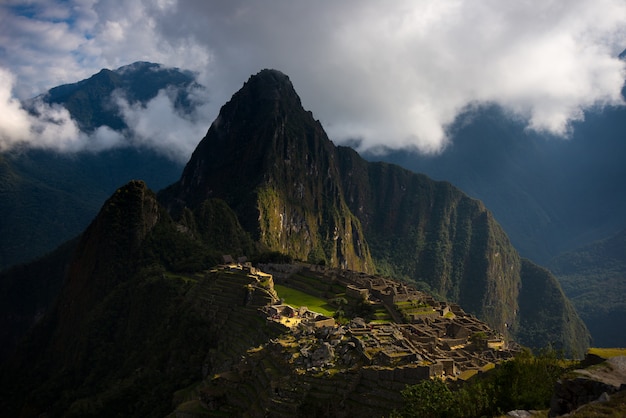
90,102
271,75
272,83
260,119
138,66
262,123
272,162
268,91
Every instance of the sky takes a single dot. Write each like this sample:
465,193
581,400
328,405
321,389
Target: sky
379,74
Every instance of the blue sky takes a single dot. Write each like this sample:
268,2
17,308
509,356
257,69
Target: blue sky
394,73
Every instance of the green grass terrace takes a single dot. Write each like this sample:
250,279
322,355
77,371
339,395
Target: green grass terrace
297,298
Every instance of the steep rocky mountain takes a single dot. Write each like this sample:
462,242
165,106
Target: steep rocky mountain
548,194
296,193
132,334
430,232
594,278
48,197
275,167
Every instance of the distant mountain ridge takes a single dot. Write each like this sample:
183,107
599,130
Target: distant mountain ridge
551,194
594,278
48,197
90,101
555,197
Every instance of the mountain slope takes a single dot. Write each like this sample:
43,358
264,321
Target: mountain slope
594,278
128,331
546,314
47,197
274,165
296,193
430,232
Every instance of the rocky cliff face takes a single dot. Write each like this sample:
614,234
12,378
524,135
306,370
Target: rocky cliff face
275,167
596,383
430,232
546,315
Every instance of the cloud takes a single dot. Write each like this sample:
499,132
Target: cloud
15,124
46,127
158,125
394,74
399,74
51,42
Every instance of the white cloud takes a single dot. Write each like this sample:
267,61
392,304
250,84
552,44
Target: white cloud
394,73
398,74
158,125
52,127
14,121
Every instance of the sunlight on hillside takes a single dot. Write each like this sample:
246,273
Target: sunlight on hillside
297,299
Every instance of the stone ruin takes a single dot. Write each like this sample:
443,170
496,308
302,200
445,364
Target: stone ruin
442,340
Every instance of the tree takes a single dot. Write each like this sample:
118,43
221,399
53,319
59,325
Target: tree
431,398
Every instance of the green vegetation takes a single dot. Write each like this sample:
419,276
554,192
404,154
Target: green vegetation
271,257
525,382
380,315
607,353
297,298
410,308
594,278
219,229
546,314
428,399
177,252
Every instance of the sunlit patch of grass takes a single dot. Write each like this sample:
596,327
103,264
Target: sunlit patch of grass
607,352
297,298
467,374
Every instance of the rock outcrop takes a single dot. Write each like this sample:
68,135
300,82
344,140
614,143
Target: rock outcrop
587,385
